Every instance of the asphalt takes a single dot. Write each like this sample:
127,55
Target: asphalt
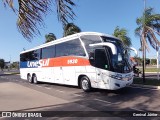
27,99
15,97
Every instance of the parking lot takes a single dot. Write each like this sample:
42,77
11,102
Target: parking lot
19,95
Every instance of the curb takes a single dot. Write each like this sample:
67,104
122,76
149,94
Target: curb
7,73
146,86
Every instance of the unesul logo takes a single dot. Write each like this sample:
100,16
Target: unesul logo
40,63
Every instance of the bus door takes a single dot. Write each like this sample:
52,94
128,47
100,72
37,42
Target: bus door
58,72
101,63
69,64
69,75
102,66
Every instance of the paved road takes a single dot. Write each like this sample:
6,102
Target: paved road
19,95
152,75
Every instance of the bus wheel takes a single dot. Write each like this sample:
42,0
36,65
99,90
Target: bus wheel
29,78
35,79
85,84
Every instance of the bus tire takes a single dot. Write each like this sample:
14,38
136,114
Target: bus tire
29,78
85,84
35,79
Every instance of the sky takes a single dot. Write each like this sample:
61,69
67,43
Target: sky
91,15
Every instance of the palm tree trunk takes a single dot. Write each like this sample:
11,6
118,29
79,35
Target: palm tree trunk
144,62
143,44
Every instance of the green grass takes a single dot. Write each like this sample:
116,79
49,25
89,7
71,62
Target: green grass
148,81
150,69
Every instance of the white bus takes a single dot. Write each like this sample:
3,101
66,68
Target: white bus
87,59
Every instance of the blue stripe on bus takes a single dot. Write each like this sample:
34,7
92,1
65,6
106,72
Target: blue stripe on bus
29,64
35,63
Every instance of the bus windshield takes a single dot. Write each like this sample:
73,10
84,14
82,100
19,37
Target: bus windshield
120,61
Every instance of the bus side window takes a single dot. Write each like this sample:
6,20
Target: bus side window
92,58
101,59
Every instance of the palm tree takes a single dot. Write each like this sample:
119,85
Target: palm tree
70,29
50,37
148,25
140,50
31,12
122,35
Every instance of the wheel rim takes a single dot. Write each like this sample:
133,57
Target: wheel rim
85,84
29,79
35,79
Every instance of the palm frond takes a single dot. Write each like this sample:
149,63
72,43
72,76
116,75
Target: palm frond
70,29
122,35
9,3
151,26
138,31
151,41
64,11
30,15
139,21
152,35
157,32
155,17
144,42
148,11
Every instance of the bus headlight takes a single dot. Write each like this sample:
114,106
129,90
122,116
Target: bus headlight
127,78
116,77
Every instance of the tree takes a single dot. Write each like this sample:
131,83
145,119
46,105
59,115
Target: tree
153,61
31,12
140,50
148,26
2,64
122,35
70,29
15,65
50,37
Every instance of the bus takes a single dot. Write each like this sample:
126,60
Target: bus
87,60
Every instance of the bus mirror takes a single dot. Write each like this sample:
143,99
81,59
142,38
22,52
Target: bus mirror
125,52
91,56
131,48
111,45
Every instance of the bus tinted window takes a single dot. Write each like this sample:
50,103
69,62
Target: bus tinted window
23,57
101,60
48,52
72,47
90,39
32,55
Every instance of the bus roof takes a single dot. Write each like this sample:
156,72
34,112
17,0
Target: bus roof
67,39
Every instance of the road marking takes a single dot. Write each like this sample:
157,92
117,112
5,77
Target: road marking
103,101
136,109
158,87
47,88
38,86
60,91
143,88
78,95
